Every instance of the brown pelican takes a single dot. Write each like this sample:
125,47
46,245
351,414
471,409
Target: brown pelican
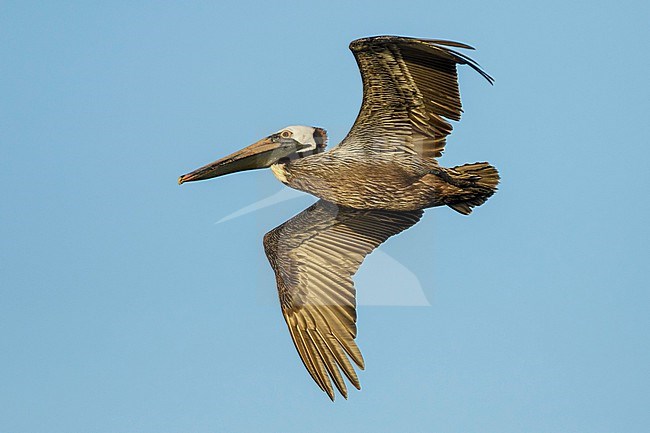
372,185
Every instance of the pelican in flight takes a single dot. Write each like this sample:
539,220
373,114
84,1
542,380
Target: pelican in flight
373,185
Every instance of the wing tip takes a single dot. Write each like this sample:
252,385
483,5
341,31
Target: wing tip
448,43
442,44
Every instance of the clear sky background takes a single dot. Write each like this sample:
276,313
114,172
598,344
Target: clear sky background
125,308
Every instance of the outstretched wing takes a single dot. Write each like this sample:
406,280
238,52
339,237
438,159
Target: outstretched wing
314,256
410,88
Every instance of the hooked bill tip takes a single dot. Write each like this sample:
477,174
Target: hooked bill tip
180,180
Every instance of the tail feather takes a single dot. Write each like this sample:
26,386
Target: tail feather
479,182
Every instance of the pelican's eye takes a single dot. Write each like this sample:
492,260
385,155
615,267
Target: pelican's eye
285,134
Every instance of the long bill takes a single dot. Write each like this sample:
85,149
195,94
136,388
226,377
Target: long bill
262,154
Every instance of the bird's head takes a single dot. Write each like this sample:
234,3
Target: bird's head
288,143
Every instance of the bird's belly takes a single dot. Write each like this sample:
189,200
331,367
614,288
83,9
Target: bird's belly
379,190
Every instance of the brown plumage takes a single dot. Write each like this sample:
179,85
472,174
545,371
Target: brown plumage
314,256
388,159
373,185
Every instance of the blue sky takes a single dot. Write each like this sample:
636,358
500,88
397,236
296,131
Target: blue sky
125,308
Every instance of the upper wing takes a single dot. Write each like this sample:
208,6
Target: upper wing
409,87
314,256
